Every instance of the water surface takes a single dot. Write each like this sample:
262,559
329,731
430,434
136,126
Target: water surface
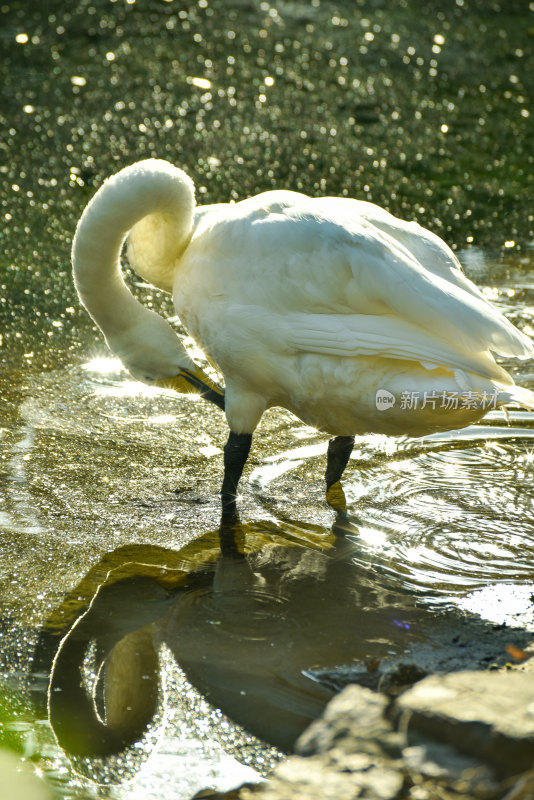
109,512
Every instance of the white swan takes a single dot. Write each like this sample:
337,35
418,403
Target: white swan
330,307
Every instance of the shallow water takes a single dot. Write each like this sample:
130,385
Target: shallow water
110,521
224,643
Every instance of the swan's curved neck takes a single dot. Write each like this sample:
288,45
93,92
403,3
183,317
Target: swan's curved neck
146,343
151,187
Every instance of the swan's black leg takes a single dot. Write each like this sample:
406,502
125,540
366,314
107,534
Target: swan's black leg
236,451
339,450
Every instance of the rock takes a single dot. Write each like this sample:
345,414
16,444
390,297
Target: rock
461,736
230,794
351,752
433,763
487,715
353,722
363,776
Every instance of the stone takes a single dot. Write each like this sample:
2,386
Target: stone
354,741
230,794
461,736
351,752
353,721
432,761
314,779
486,715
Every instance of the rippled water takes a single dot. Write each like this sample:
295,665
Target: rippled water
115,554
144,646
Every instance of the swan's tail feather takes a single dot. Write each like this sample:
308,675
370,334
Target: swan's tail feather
518,396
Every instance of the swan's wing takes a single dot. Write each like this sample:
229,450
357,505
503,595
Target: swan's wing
429,290
333,256
423,245
382,336
440,307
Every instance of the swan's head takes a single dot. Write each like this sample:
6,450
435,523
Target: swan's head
149,348
152,353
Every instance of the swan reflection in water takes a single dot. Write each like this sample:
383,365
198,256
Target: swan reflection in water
256,615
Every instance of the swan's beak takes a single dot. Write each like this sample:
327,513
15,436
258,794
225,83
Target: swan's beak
194,381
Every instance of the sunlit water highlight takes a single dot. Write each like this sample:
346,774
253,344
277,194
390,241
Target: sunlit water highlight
450,513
